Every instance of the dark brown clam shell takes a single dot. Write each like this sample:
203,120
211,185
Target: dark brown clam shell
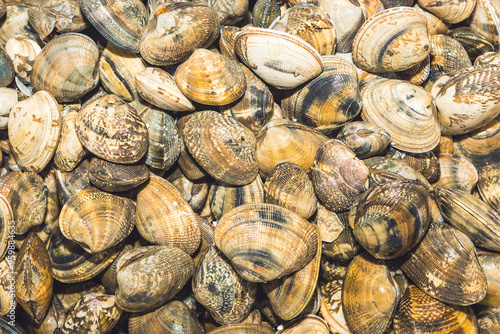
473,42
113,177
489,320
69,183
7,73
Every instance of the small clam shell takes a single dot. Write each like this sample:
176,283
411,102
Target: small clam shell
112,177
420,313
226,41
289,185
149,276
488,185
175,30
158,87
210,78
112,130
489,320
15,22
122,22
449,11
445,266
426,163
404,110
8,300
462,108
490,262
6,221
33,279
416,74
466,212
165,218
393,40
260,49
222,146
117,71
187,163
97,220
485,20
370,295
69,151
474,43
67,67
173,317
435,25
22,51
8,99
364,139
265,12
456,172
69,183
488,58
331,306
195,193
253,236
108,277
69,294
338,176
34,129
3,9
93,313
229,11
7,72
217,286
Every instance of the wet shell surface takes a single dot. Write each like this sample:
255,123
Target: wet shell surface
97,220
222,146
112,130
34,129
67,67
253,237
280,59
395,39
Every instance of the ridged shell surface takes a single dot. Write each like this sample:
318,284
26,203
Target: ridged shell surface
69,151
449,11
456,172
488,185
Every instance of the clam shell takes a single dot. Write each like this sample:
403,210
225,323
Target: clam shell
165,218
426,163
395,39
222,146
22,51
252,236
364,139
112,177
108,277
210,78
385,169
260,49
122,22
112,130
69,151
195,193
7,299
7,74
16,22
449,11
456,172
6,222
485,21
159,88
67,67
490,262
420,313
175,30
344,247
34,129
149,276
474,43
69,183
187,163
405,111
307,324
265,12
8,99
435,25
69,294
488,185
445,266
97,220
229,11
243,329
487,59
331,306
226,41
489,320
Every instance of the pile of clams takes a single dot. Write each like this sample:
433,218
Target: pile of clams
250,166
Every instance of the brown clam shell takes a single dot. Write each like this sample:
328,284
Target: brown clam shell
331,306
490,262
456,172
485,21
426,163
112,130
307,324
449,11
69,183
195,193
114,177
243,329
385,169
489,320
226,41
364,139
22,51
488,185
474,43
69,151
265,12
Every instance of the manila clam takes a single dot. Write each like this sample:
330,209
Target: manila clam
7,72
364,139
112,177
22,51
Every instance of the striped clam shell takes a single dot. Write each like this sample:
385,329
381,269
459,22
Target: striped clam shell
456,172
488,185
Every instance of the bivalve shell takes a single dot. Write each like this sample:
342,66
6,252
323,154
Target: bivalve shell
113,177
69,151
489,320
485,20
364,139
7,72
456,172
22,51
488,185
449,11
490,262
474,43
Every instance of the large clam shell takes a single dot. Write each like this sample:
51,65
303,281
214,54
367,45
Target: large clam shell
254,238
280,59
34,128
112,130
222,146
404,110
395,39
122,22
445,266
67,67
97,220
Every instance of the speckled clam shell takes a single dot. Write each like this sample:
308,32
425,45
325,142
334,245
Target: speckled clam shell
112,130
420,313
485,20
34,129
117,70
69,151
97,220
122,22
364,139
474,43
445,266
449,11
467,99
259,49
488,185
265,12
7,298
175,30
113,177
404,110
308,323
222,146
327,101
456,172
285,141
289,185
386,169
187,163
253,237
67,67
210,78
22,50
149,276
217,286
158,87
165,218
174,317
195,193
69,183
15,22
229,11
393,40
370,295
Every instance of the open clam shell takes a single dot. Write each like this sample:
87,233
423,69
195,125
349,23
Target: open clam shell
253,236
404,110
395,39
456,172
280,59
